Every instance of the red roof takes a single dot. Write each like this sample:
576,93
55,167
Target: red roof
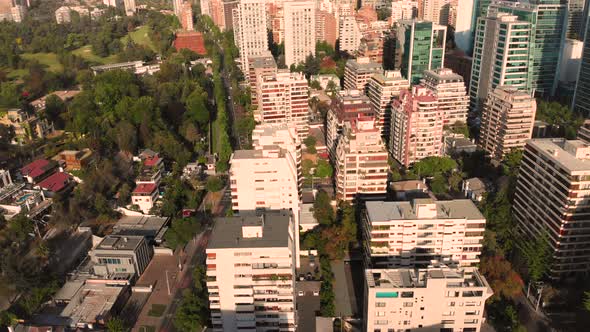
151,161
37,168
145,188
190,40
55,182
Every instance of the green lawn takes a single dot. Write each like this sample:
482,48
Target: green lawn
140,37
85,52
47,59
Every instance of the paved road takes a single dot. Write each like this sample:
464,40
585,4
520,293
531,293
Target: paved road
345,301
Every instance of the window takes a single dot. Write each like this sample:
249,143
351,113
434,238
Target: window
408,304
381,322
407,294
380,313
451,304
380,304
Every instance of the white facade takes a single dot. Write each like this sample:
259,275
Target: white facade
299,16
464,24
357,73
269,177
250,22
436,11
438,298
412,234
571,58
449,88
404,10
349,34
382,89
251,273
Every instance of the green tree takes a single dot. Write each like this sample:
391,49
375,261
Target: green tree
214,184
430,166
124,194
116,324
586,301
439,184
126,135
323,169
21,226
322,209
537,254
54,107
332,88
310,142
9,95
197,108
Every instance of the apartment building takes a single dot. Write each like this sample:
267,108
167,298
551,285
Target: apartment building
326,27
420,46
283,98
251,273
504,64
117,254
357,73
382,88
347,105
403,10
437,298
186,16
349,34
361,168
215,10
250,22
507,121
300,38
412,234
259,66
584,132
269,177
416,126
551,197
449,88
27,126
581,102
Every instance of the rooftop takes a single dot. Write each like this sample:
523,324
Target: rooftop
364,64
455,209
119,242
145,188
573,155
37,167
418,278
262,61
55,182
408,185
275,230
139,225
92,303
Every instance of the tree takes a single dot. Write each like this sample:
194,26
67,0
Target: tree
439,184
54,107
559,115
124,194
310,142
116,324
9,95
322,209
537,254
586,301
21,226
315,85
126,137
323,169
214,184
332,88
311,66
502,278
197,109
432,165
455,180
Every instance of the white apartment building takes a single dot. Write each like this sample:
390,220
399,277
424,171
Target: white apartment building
259,66
464,23
449,88
283,98
349,34
382,88
412,234
552,197
361,168
416,126
507,121
269,177
300,39
403,10
251,273
438,298
250,22
357,73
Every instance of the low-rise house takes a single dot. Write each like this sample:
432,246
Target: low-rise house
27,127
137,67
151,227
39,170
125,255
307,221
409,189
75,160
14,199
65,95
55,183
325,79
474,189
145,196
456,144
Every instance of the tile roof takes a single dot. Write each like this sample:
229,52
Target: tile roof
55,182
37,167
145,188
190,40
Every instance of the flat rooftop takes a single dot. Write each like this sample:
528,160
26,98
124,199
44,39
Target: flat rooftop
455,209
227,232
91,302
418,278
554,149
139,225
120,242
